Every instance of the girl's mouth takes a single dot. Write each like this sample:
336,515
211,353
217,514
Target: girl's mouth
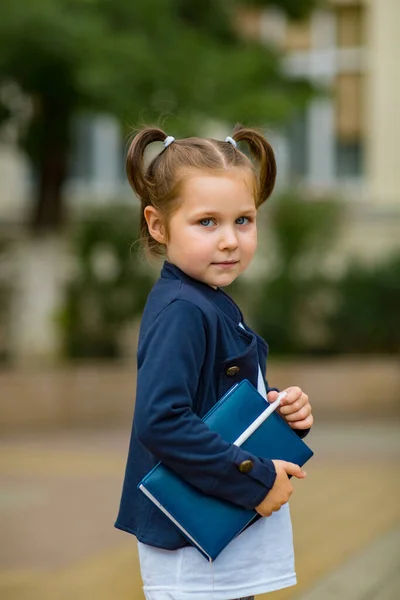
227,264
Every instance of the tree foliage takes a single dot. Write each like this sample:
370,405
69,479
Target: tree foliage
367,316
174,61
291,303
109,286
295,9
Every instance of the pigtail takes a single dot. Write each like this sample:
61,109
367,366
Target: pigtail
263,154
135,167
140,182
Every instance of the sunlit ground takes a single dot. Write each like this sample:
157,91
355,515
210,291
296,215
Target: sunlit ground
59,495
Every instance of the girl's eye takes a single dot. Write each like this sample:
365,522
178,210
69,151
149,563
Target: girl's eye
243,220
206,222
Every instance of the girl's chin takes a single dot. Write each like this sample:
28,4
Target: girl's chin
222,281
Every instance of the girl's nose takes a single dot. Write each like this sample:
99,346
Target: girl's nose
228,240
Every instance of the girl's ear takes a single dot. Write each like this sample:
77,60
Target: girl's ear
155,224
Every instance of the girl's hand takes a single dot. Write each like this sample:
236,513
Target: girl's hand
295,408
282,489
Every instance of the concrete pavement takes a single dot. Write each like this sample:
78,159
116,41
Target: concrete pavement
59,494
372,573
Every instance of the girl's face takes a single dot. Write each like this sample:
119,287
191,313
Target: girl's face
213,234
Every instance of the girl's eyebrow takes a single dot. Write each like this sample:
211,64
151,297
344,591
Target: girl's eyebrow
211,213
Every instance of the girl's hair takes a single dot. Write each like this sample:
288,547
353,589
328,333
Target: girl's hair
160,182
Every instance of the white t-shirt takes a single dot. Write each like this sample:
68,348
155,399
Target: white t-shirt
259,560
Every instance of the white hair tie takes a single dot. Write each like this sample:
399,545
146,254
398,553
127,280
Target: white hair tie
231,141
168,141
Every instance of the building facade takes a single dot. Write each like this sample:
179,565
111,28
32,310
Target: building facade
343,144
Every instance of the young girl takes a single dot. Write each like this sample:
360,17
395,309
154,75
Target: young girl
199,202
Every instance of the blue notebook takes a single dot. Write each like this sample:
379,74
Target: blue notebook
210,523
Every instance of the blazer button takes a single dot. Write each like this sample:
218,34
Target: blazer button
232,371
246,466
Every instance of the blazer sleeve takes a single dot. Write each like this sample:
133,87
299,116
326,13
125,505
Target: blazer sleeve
170,359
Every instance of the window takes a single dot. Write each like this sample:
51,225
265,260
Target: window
349,158
81,166
350,26
298,36
349,124
298,140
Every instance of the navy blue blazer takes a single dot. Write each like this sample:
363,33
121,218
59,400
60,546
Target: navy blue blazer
191,351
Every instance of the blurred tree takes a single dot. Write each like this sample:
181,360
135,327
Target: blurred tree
6,294
137,60
366,318
291,303
296,9
109,286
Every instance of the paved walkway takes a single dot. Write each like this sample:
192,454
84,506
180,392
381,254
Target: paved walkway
372,573
59,494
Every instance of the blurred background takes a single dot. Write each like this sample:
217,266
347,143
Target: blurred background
321,79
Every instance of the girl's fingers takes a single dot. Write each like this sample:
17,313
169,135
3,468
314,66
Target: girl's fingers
304,424
296,409
299,415
272,396
293,394
294,406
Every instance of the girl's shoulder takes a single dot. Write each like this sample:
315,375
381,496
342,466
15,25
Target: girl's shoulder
166,292
176,300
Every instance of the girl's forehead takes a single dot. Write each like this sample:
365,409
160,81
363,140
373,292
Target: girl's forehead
233,174
218,188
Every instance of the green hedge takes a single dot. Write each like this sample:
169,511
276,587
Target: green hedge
367,314
294,304
299,308
290,301
110,285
